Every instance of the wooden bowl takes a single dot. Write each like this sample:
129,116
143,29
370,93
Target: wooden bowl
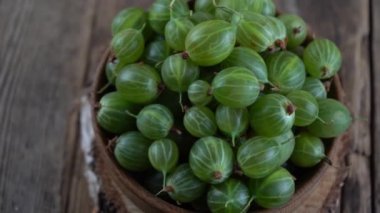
120,187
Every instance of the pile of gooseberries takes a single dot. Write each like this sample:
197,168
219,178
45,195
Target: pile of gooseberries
213,103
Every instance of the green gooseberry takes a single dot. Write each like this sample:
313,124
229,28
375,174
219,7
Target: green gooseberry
250,59
306,107
199,93
199,17
139,83
161,11
199,121
235,87
308,151
111,71
286,142
334,119
178,73
273,191
272,115
131,151
163,155
128,45
322,59
132,17
296,29
228,197
111,115
210,42
183,186
156,52
204,6
176,31
155,121
258,157
256,31
232,121
211,160
315,87
286,71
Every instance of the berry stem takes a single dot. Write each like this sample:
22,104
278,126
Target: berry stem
248,204
131,114
104,88
180,102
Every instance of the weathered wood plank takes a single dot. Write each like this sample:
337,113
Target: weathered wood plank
334,20
77,198
42,61
376,102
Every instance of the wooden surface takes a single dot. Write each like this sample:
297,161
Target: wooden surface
48,53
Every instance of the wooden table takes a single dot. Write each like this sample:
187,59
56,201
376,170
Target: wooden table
48,54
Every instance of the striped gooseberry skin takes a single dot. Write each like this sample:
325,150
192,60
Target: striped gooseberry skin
159,13
334,120
128,45
163,155
228,197
308,151
279,32
273,191
232,121
112,114
272,115
178,73
156,52
210,42
176,31
131,151
322,58
306,107
235,87
199,93
199,121
258,157
315,87
139,83
286,71
211,160
286,142
199,17
183,186
204,6
155,121
132,17
255,31
250,59
296,29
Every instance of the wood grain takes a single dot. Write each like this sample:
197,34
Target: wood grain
42,62
375,45
334,20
